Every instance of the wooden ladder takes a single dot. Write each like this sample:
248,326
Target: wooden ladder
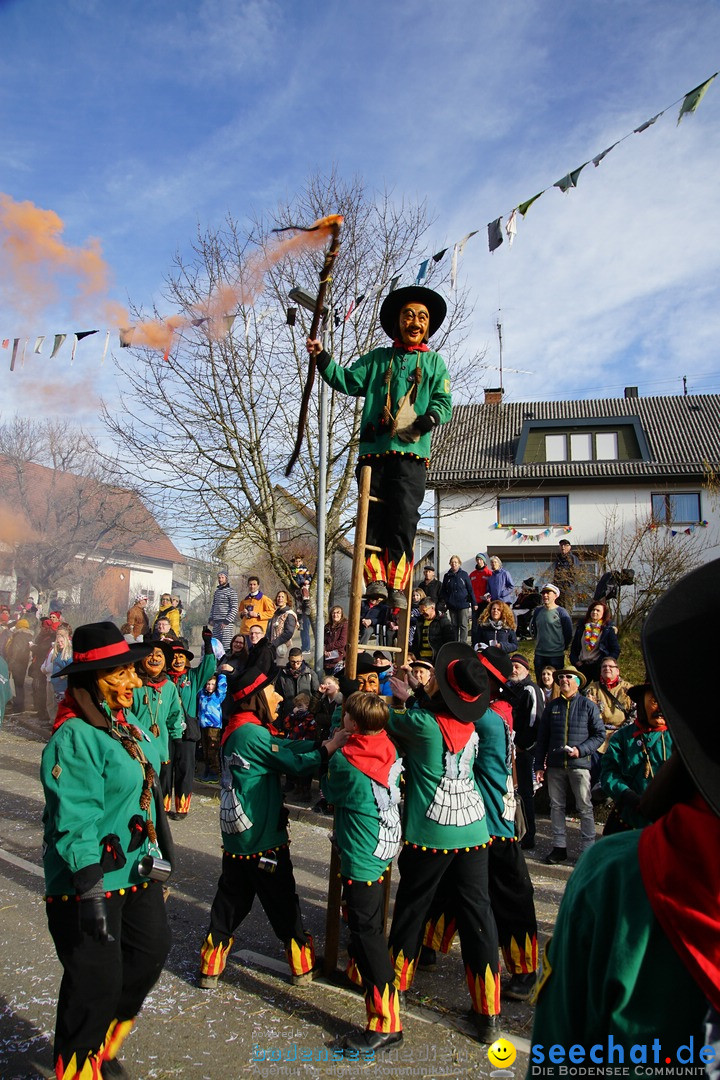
399,655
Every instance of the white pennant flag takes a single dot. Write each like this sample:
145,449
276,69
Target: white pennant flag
457,252
39,344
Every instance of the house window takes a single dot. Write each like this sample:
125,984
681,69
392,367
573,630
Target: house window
678,508
555,448
581,446
534,510
606,446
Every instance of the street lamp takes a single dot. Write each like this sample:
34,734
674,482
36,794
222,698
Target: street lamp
304,300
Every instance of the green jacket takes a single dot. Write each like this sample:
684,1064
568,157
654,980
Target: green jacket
366,378
367,818
625,765
609,970
493,772
436,777
92,790
188,686
253,760
158,704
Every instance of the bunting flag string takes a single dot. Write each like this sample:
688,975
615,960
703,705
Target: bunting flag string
688,105
518,534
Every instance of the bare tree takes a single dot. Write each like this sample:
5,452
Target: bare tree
215,426
62,511
657,554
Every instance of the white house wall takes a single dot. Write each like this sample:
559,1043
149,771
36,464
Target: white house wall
466,520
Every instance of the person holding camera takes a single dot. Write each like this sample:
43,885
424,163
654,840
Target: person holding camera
253,824
105,835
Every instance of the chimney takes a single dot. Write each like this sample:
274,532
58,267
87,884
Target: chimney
631,392
493,395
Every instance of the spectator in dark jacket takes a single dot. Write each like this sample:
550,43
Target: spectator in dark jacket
570,731
528,704
496,627
373,615
432,631
296,678
595,638
430,584
459,598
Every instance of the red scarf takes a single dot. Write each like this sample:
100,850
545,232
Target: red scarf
608,684
373,754
159,682
504,709
455,733
402,347
69,708
681,874
237,721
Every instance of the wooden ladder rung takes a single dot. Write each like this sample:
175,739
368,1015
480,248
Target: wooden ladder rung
381,648
374,498
370,547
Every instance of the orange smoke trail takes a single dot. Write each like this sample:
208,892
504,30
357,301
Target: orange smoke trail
35,263
15,527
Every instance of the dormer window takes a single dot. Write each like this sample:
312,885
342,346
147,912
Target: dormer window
581,446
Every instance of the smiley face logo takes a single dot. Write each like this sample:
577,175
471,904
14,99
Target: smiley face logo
502,1054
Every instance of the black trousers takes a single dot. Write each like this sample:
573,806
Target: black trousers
524,761
369,950
240,882
177,775
399,480
463,874
106,981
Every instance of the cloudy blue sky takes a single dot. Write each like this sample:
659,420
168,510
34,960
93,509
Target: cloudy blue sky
134,122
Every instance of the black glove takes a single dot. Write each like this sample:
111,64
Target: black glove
93,918
425,423
323,360
207,639
629,800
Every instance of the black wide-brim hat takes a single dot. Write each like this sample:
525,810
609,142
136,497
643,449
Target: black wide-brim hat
177,646
98,646
669,640
412,294
462,681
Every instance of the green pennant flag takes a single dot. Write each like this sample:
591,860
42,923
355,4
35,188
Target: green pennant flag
569,181
525,206
693,99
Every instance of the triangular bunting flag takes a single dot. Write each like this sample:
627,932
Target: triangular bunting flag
524,207
5,342
422,272
457,253
80,334
693,99
439,255
39,344
495,236
569,181
647,124
105,347
596,160
228,320
511,228
59,338
16,342
393,283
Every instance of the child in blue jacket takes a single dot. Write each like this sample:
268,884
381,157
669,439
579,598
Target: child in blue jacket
210,701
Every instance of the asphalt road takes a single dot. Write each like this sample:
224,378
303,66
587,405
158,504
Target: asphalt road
255,1023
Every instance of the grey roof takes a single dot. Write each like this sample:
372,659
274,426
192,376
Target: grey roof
478,446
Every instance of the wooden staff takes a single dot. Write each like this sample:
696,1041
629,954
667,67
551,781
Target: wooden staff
325,278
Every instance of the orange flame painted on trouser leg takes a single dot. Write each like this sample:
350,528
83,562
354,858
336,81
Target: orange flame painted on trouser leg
182,803
404,970
301,957
398,572
88,1070
374,569
521,961
382,1007
353,972
439,934
213,958
117,1033
484,991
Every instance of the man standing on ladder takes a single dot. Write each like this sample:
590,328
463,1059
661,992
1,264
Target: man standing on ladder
406,388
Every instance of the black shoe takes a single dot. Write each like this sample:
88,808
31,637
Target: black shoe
397,600
376,588
520,987
528,843
487,1028
207,982
321,807
365,1041
557,855
427,960
113,1068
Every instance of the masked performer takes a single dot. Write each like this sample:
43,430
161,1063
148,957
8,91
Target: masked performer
157,709
407,394
253,824
103,823
188,683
